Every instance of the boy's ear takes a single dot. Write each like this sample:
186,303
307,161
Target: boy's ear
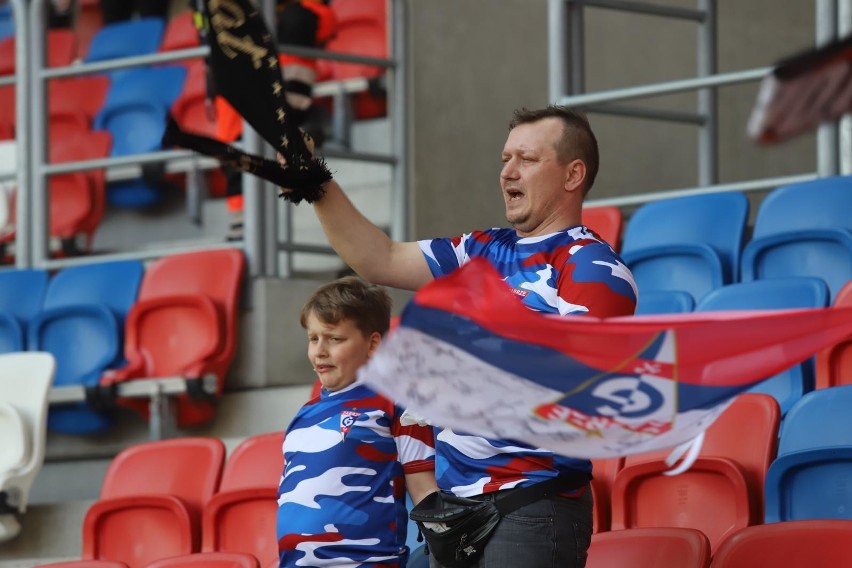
375,341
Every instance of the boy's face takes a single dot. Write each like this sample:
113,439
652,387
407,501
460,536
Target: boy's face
337,350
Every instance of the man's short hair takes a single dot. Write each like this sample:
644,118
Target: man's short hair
577,142
350,297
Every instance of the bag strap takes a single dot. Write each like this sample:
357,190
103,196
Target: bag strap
517,498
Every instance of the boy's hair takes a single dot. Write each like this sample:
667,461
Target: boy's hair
367,305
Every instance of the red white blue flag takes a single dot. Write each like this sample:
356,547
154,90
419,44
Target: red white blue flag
469,355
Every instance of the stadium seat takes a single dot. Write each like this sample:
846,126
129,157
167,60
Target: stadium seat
151,499
208,560
814,459
190,109
687,243
135,115
664,302
789,385
141,36
76,211
803,229
21,298
653,547
241,516
794,544
85,564
721,492
606,221
361,30
81,324
61,50
85,95
7,20
7,55
25,379
834,364
184,324
180,32
604,471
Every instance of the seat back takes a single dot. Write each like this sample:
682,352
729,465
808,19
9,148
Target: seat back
606,221
85,94
604,471
834,364
141,36
664,302
721,492
21,298
649,548
688,243
257,461
189,468
238,516
208,560
85,564
814,459
803,230
180,32
776,294
796,544
25,379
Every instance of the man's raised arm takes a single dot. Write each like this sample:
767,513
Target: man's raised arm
365,247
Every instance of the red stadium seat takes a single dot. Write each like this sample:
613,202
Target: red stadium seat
190,108
834,364
604,471
7,56
61,50
84,95
241,516
606,222
820,543
721,492
85,564
180,33
184,324
208,560
151,500
7,112
654,547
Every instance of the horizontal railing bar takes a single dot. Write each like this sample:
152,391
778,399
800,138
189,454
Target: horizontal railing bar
150,254
649,113
137,388
644,8
665,88
745,186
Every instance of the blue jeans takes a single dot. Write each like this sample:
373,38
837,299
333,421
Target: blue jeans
549,533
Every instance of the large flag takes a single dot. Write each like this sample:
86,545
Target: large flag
469,355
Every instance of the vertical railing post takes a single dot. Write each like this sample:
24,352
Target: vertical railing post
827,134
844,29
708,133
398,114
557,49
23,205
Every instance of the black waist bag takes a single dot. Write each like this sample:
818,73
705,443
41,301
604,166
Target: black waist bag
470,523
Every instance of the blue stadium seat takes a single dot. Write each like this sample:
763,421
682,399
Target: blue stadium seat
134,113
126,39
689,243
7,20
82,326
21,297
664,302
778,294
807,478
803,229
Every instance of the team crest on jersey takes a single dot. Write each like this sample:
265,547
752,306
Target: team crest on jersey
347,420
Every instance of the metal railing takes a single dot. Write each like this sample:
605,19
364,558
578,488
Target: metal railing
262,241
567,82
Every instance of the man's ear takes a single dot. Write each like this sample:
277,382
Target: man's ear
575,175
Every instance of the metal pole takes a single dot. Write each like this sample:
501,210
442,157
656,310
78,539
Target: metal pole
844,28
23,256
576,49
400,198
708,133
557,48
39,228
827,133
268,193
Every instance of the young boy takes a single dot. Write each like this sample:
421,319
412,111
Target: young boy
341,500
